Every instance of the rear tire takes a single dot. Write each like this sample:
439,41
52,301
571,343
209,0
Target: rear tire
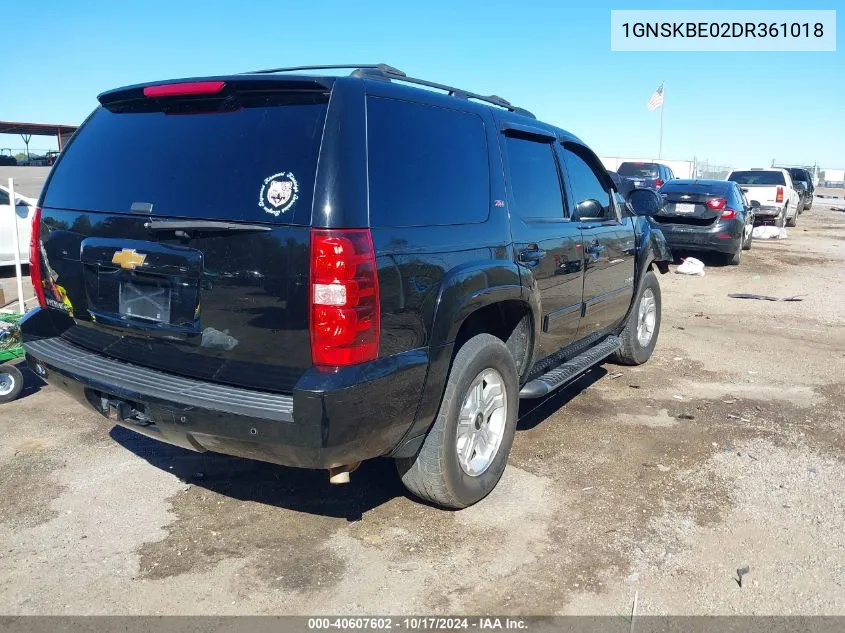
439,473
794,220
746,244
780,221
734,258
633,350
11,383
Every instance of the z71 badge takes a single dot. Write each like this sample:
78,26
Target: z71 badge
278,193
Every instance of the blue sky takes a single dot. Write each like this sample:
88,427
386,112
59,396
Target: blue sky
729,108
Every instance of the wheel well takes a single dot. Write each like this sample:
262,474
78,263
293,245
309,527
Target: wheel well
509,321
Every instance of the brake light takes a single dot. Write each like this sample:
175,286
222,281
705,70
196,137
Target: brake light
344,299
728,214
184,88
658,183
779,196
35,259
717,204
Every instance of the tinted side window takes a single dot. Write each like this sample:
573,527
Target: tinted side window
534,179
4,197
427,165
585,186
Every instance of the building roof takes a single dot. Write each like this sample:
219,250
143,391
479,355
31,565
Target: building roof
36,129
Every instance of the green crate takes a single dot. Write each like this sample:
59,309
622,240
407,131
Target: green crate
11,346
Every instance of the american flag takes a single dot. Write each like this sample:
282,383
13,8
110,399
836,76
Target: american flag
656,99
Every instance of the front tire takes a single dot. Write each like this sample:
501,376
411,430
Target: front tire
466,450
639,336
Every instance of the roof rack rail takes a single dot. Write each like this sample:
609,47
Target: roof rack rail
385,71
381,67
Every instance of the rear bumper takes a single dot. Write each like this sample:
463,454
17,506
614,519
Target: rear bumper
330,419
767,212
722,237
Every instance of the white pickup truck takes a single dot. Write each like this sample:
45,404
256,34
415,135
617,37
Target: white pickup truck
773,189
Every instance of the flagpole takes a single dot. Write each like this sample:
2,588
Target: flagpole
662,107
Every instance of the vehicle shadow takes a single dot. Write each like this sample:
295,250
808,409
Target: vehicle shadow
309,491
298,489
534,412
716,260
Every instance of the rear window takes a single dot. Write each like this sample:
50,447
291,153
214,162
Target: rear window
715,188
256,163
638,170
757,177
799,174
427,165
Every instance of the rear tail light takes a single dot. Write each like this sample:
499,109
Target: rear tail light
35,259
344,297
779,196
658,183
717,204
184,88
728,214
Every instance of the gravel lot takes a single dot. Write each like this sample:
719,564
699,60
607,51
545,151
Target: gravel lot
723,452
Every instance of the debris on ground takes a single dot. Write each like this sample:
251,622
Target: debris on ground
616,375
769,233
745,295
734,416
742,571
691,266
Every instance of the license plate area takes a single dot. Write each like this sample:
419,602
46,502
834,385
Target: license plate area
683,208
148,301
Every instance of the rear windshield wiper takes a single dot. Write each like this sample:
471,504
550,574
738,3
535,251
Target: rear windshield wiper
202,225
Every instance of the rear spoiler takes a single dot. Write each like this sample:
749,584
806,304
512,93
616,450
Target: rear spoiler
205,88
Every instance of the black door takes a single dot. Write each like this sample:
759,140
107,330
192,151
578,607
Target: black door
608,239
547,244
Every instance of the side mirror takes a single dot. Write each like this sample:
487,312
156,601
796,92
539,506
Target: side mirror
589,209
755,204
645,201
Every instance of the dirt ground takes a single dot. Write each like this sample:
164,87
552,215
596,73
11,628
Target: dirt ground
725,451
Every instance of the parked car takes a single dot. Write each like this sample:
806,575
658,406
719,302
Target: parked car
804,184
431,277
645,175
6,158
23,212
772,188
706,215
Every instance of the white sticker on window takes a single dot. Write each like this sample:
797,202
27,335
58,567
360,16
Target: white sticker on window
278,193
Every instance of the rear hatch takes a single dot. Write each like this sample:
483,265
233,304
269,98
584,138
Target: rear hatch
643,175
175,228
689,206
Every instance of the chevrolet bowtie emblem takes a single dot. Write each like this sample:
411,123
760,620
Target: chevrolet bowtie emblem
128,258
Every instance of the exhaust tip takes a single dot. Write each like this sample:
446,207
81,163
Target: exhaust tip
340,474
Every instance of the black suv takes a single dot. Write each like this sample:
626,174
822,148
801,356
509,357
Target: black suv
314,271
803,183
